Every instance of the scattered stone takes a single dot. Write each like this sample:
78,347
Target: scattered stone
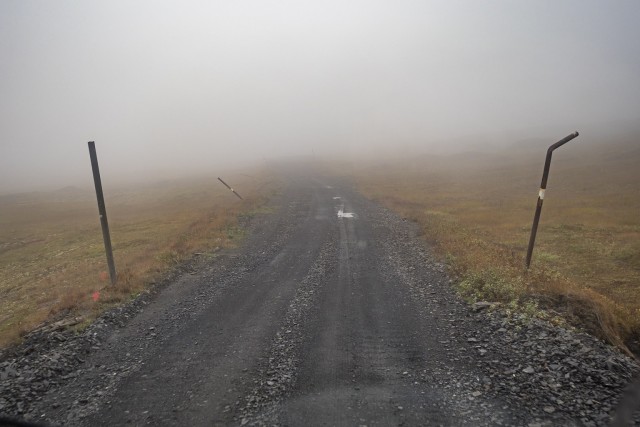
481,305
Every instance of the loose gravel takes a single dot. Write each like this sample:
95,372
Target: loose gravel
494,364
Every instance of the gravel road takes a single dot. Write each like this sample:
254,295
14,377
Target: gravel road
333,312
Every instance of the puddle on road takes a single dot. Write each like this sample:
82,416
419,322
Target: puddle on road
342,214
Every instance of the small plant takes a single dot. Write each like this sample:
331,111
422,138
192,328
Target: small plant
170,257
531,309
450,259
490,285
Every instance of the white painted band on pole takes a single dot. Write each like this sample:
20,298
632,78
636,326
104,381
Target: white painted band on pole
541,194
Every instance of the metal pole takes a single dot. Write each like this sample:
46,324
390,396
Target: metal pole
232,190
103,211
543,187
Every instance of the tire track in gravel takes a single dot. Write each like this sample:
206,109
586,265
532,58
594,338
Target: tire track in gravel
371,356
279,375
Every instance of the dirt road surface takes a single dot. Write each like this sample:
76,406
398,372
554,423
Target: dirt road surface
332,312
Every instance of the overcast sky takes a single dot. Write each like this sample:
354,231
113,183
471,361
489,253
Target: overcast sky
188,85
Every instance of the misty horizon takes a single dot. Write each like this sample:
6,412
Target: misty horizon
173,89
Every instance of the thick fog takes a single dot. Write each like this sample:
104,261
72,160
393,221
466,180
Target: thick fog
166,88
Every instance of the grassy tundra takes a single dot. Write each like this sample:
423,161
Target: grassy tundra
478,209
52,258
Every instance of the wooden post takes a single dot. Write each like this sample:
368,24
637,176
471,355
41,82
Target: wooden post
102,211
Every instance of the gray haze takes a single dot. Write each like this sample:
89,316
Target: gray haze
185,86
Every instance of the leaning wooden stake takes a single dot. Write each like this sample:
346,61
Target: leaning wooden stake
103,212
232,190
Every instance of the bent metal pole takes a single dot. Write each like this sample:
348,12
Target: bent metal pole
102,211
543,187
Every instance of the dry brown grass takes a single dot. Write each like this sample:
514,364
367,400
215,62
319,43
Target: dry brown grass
477,210
52,257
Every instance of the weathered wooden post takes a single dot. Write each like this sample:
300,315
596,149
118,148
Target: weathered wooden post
232,190
102,211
